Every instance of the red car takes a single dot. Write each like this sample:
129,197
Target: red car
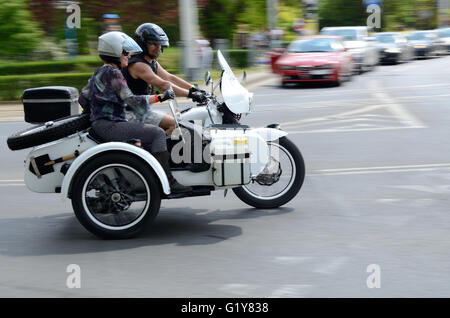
313,59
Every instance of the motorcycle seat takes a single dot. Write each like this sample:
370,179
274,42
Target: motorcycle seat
93,136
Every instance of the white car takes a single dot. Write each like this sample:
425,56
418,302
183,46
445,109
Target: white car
357,41
445,37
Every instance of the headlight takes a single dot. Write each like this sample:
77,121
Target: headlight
287,67
392,50
356,51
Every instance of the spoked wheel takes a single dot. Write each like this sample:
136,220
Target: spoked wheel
115,196
280,181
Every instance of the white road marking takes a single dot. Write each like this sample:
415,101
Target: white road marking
346,120
240,289
438,189
405,116
389,200
292,260
347,130
381,169
12,183
339,116
292,291
331,267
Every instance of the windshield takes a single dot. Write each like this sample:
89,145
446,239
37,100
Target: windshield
348,35
314,45
235,96
445,33
419,36
386,38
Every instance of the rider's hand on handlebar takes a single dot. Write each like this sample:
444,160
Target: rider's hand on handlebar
195,89
169,94
198,97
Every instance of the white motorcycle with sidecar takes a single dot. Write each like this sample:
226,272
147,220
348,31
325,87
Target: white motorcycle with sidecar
116,188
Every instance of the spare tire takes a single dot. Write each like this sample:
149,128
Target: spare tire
50,131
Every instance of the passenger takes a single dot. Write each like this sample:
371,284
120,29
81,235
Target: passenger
107,94
144,73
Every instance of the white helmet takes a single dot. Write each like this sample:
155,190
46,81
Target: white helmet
115,42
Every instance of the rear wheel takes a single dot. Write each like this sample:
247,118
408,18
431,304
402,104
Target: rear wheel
115,196
272,192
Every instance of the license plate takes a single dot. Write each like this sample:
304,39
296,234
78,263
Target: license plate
320,72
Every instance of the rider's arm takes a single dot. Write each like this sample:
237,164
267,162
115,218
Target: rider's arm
84,98
172,78
144,72
139,103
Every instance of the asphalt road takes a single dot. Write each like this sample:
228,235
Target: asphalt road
374,210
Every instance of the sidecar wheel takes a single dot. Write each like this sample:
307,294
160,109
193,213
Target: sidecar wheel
286,188
44,133
115,196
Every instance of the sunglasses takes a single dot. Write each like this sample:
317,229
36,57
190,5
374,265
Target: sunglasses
125,53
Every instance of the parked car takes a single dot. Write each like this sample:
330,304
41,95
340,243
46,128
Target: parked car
314,59
360,45
426,43
445,38
393,47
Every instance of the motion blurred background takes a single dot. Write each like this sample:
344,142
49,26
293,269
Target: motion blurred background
37,47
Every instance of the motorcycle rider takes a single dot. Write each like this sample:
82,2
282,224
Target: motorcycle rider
144,73
107,94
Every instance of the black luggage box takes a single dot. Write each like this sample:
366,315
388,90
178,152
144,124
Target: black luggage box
43,104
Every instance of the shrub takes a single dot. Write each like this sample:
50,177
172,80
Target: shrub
12,87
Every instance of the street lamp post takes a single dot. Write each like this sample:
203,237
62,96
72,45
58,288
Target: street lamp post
188,28
272,16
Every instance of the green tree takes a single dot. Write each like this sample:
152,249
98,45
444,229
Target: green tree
342,13
217,19
409,14
286,17
19,34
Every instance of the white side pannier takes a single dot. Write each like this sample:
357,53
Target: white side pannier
230,157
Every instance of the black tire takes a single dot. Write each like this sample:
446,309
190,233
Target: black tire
251,200
44,133
99,215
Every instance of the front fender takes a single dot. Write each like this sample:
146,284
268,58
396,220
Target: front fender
113,146
269,134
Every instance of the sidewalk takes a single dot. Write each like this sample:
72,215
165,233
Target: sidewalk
13,110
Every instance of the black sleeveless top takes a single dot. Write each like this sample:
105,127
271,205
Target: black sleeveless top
137,85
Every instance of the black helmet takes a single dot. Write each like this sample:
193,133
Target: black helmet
150,32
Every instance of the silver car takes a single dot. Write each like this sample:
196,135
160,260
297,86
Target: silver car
444,34
426,43
394,47
357,41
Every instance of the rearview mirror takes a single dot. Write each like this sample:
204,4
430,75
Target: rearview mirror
207,78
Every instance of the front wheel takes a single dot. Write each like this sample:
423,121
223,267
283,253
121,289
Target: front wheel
115,196
286,185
